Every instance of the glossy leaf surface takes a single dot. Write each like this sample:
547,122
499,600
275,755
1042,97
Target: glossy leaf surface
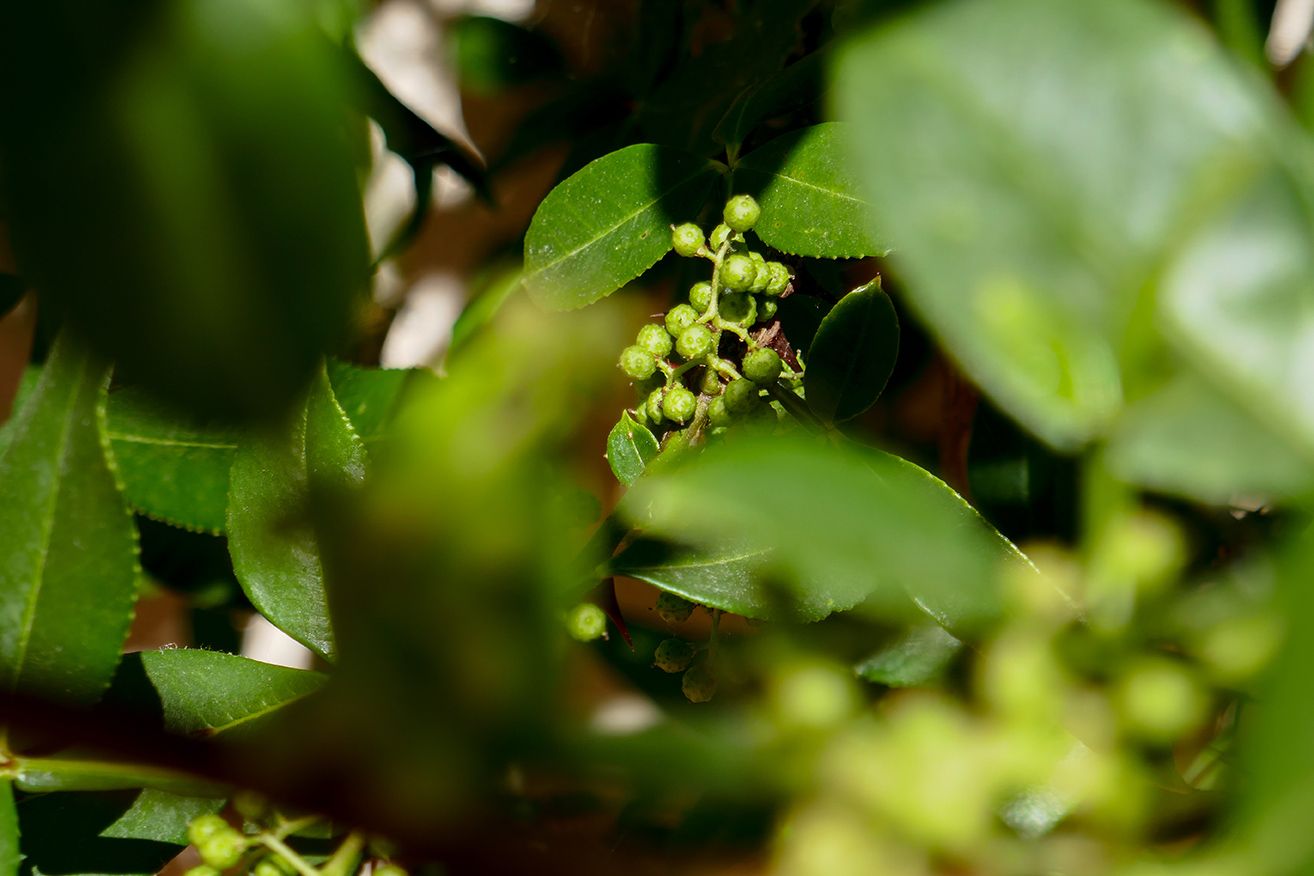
68,549
852,355
610,222
630,447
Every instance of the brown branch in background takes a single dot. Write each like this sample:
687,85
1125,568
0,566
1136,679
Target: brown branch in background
958,403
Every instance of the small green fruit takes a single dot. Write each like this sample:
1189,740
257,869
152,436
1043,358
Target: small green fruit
250,805
679,404
738,272
695,342
711,382
742,212
673,655
762,366
202,870
699,684
205,826
777,279
763,273
655,340
674,609
679,318
586,622
741,397
687,239
739,307
637,362
766,310
720,234
222,850
274,865
654,404
718,413
700,296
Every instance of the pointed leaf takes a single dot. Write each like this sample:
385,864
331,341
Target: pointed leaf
630,447
915,659
610,222
68,549
9,853
852,355
275,553
174,468
369,396
206,693
809,195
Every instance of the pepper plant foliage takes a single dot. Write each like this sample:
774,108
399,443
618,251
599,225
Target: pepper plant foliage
1086,656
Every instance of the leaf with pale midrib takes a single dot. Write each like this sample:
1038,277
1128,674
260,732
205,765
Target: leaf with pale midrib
68,548
630,447
852,355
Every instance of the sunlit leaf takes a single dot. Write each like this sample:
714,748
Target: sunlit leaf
852,355
9,852
68,549
610,222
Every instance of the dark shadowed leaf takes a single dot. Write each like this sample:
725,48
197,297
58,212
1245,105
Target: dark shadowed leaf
852,354
915,659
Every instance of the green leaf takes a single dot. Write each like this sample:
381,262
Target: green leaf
487,301
610,222
845,523
122,832
917,658
369,396
630,447
274,549
9,851
852,354
492,55
1030,210
68,549
206,693
26,383
174,468
807,187
1190,439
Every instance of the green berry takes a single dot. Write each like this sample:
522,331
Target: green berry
763,273
762,366
637,362
222,850
741,212
718,413
586,622
389,870
700,296
777,279
654,404
205,826
687,239
250,805
679,404
738,272
695,342
674,609
654,340
699,684
679,318
741,397
273,865
711,382
720,234
673,655
740,307
766,310
202,870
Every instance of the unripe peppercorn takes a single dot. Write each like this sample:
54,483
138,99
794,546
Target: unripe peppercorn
673,655
637,362
762,366
586,622
739,307
698,684
274,865
700,296
742,212
695,342
679,318
205,826
222,850
720,234
654,404
766,310
777,279
673,609
763,273
741,397
718,413
679,404
655,340
202,870
687,239
711,382
738,272
250,805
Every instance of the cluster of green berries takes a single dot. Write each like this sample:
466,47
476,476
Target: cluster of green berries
702,361
677,655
